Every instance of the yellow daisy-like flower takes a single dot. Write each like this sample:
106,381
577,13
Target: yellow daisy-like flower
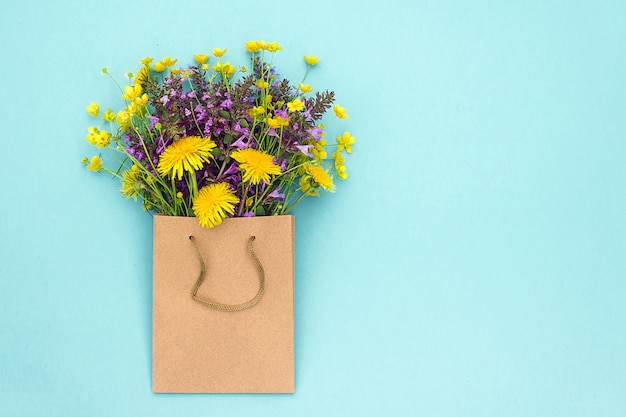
219,52
311,59
340,112
256,165
213,203
253,46
319,150
132,186
277,122
295,105
186,154
159,67
108,116
142,101
146,61
95,164
320,176
201,58
93,109
305,88
168,62
345,141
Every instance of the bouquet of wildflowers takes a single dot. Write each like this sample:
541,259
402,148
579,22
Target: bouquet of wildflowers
219,141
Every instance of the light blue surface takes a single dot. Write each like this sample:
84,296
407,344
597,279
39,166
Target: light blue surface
472,265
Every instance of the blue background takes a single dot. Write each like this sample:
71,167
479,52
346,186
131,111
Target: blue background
473,264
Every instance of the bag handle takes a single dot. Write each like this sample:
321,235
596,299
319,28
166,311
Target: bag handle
228,307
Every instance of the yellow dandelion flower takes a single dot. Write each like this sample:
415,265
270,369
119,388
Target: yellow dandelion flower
307,187
340,112
93,109
201,58
253,46
95,164
217,52
345,141
305,88
256,165
295,105
320,176
214,203
142,75
108,116
132,186
186,154
311,59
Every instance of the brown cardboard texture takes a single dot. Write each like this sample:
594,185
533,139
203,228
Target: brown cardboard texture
199,349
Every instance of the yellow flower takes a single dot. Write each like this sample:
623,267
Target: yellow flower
340,112
201,58
262,84
311,59
123,119
142,75
159,67
253,46
213,203
132,186
345,142
256,165
308,187
131,92
339,165
256,111
141,101
179,194
277,122
175,71
108,116
320,176
93,109
84,161
319,151
95,164
305,88
273,47
186,154
295,105
99,138
168,62
217,52
225,70
146,61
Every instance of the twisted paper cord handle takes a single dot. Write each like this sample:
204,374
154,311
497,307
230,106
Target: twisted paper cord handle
228,307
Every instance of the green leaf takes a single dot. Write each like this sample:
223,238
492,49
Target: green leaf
259,211
225,114
228,139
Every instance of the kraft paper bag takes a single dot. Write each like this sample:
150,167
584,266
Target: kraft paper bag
197,348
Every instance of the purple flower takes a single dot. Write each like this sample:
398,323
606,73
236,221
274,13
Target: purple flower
276,194
248,214
153,121
316,132
305,149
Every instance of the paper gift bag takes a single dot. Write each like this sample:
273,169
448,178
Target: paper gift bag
236,333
